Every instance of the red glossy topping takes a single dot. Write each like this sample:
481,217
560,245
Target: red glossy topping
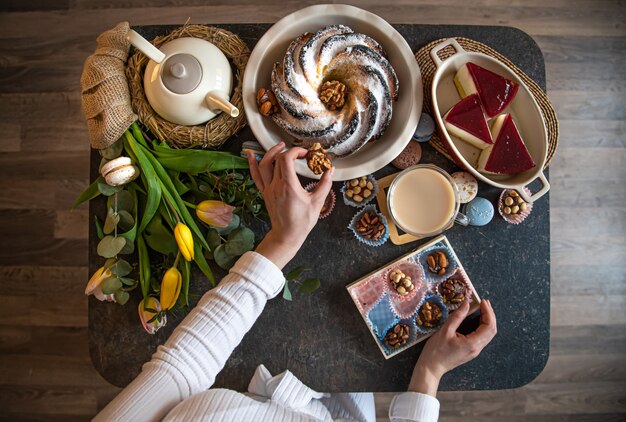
509,154
495,92
468,115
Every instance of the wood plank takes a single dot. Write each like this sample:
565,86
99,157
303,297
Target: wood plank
11,137
52,310
71,224
577,368
605,221
571,398
592,133
31,279
584,279
48,401
53,165
587,340
17,194
588,310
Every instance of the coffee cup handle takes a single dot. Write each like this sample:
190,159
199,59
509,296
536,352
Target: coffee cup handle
461,219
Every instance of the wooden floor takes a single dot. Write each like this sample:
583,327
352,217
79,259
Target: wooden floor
45,370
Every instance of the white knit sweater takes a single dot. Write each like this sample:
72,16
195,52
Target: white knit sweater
175,384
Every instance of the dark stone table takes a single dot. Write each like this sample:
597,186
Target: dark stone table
321,337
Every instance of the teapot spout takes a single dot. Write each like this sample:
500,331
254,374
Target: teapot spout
143,45
217,101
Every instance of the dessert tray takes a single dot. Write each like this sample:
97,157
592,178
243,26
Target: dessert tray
271,48
394,313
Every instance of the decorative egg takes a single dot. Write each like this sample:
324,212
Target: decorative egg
466,185
253,146
410,155
479,211
425,128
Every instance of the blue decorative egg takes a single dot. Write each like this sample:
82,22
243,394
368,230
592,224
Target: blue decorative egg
425,128
479,211
253,146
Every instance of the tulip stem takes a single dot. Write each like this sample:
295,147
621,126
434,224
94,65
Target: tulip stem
190,205
176,260
169,204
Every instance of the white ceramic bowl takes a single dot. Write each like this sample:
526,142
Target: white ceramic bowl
523,109
272,47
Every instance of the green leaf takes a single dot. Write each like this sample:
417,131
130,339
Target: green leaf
111,285
295,273
109,263
194,161
149,178
159,238
222,258
111,221
125,201
234,223
121,268
144,265
121,297
310,285
113,151
240,241
287,292
110,246
99,231
126,220
185,270
213,238
128,281
180,186
202,264
129,246
107,190
88,194
131,234
155,284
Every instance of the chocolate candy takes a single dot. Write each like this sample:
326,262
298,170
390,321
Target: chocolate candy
429,315
453,291
397,336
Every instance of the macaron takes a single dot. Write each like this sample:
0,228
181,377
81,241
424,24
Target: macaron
466,184
479,211
425,128
119,171
410,155
253,146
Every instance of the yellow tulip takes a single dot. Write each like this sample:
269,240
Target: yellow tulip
185,240
145,315
97,279
215,213
170,288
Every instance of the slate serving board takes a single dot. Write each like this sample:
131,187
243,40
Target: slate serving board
321,337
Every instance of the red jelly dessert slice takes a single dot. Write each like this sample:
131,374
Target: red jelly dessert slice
495,92
508,155
467,122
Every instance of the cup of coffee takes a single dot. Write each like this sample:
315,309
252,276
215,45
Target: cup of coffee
423,201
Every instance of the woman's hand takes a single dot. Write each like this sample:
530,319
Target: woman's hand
293,211
447,349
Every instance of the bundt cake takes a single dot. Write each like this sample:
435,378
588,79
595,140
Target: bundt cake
334,87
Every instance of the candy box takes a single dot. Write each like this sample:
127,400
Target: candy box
409,299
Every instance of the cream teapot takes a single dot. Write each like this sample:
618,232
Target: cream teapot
187,81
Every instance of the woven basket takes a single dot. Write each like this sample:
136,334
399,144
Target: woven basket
217,130
428,69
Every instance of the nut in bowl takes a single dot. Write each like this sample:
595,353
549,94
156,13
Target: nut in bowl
398,129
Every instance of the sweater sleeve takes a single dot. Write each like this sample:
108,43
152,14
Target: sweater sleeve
414,407
198,348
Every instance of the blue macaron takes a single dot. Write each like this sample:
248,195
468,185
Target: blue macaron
253,146
425,128
479,211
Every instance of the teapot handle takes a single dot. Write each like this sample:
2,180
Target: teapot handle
218,101
143,45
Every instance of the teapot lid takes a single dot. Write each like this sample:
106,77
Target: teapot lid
181,73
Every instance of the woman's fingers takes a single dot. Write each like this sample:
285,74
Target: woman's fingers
487,328
455,319
287,163
266,167
254,171
320,192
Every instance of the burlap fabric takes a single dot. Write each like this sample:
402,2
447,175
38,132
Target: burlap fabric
105,94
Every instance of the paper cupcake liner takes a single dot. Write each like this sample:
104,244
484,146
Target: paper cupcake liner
405,308
380,318
434,299
363,239
435,278
410,268
355,204
329,202
517,218
369,293
462,277
413,334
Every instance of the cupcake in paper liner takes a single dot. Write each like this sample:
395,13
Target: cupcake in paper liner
455,290
360,191
404,279
366,226
512,206
329,202
380,317
399,337
432,314
368,293
437,262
